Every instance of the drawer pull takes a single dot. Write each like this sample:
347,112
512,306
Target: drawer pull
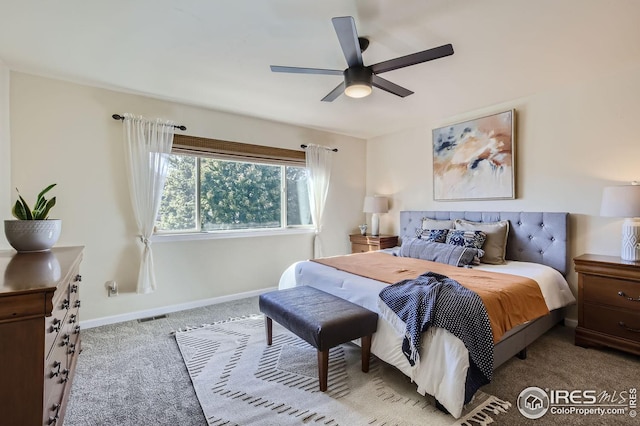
55,373
630,299
54,419
74,288
76,329
72,349
623,325
78,278
77,304
65,373
55,325
65,304
72,318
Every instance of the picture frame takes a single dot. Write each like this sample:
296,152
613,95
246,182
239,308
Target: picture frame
475,159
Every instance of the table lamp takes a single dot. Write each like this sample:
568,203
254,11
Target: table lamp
375,205
624,201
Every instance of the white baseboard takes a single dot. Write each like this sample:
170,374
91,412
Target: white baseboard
570,322
168,309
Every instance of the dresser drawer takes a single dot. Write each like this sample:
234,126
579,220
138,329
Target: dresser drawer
72,329
615,322
53,325
56,372
362,248
16,306
611,291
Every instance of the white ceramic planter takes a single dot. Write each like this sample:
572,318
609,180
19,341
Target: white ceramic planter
32,235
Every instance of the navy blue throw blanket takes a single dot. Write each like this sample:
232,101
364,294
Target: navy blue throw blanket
434,300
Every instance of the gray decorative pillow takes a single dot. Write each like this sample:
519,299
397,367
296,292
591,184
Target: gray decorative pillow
495,246
436,224
433,235
438,252
472,239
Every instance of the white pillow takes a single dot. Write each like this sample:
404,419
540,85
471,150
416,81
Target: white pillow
436,224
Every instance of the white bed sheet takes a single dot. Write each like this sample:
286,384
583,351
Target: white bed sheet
444,360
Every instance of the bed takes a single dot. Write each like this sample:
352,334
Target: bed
536,248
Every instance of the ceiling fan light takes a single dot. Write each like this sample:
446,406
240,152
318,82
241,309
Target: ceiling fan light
358,90
357,82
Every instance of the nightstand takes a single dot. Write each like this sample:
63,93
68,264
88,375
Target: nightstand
363,243
608,302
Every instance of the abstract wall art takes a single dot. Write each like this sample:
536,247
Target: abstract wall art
474,159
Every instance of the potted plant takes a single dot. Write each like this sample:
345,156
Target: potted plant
33,230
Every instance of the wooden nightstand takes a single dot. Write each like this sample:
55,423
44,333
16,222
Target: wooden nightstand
608,302
362,243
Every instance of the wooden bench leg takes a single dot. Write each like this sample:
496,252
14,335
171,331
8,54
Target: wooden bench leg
365,342
268,326
323,368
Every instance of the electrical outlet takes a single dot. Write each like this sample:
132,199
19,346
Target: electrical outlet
112,288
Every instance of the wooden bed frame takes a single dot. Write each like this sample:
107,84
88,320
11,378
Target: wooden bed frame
538,237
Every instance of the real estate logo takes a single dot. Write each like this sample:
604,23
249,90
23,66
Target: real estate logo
533,402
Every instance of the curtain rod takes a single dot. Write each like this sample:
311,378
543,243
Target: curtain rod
119,117
334,149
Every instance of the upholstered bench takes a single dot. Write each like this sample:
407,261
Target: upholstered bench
321,319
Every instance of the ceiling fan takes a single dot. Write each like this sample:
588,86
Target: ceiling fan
359,78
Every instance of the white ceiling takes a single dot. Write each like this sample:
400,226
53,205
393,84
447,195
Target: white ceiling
216,53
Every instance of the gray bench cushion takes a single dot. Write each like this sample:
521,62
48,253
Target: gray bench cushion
320,318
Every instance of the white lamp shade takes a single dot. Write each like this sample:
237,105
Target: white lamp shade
621,201
376,205
624,201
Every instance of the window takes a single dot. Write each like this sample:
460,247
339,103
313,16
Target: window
209,189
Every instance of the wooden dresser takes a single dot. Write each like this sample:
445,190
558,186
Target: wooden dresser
362,243
608,302
39,334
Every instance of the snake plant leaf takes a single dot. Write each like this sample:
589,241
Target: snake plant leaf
44,191
40,203
27,209
19,211
45,212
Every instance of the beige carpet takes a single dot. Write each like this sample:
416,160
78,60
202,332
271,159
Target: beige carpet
239,380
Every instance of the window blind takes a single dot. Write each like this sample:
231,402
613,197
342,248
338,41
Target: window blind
226,150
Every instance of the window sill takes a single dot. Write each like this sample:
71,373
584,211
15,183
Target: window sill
221,235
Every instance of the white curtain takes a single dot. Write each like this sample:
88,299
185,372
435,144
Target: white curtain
319,160
147,148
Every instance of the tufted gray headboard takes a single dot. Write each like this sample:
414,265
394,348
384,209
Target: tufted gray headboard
537,237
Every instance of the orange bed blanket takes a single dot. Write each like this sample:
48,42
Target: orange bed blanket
510,300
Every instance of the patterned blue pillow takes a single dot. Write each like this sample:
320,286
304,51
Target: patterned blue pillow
471,239
433,235
439,252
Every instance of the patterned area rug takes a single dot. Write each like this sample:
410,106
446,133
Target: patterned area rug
241,381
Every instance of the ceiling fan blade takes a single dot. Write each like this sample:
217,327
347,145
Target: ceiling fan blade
390,87
413,59
334,93
348,37
298,70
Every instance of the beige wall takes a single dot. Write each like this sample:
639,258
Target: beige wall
63,132
5,150
571,142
